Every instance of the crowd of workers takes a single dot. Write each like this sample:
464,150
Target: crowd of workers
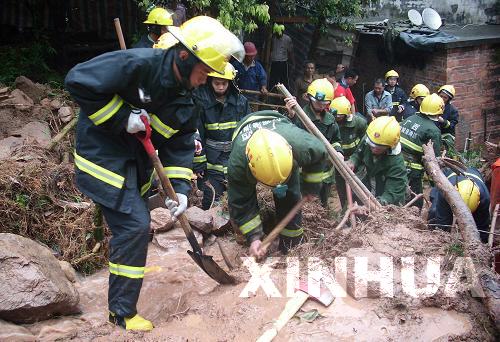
187,90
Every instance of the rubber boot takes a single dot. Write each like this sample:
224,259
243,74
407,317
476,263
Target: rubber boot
136,323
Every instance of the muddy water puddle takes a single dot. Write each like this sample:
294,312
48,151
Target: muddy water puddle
185,304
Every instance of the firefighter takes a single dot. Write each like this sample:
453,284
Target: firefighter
449,119
222,106
417,94
319,98
157,22
379,158
417,130
269,149
475,194
115,91
352,130
399,97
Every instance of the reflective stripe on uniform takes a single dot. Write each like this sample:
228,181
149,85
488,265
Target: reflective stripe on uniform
315,177
327,174
217,167
200,159
448,135
133,272
447,124
251,225
292,232
161,128
336,144
99,172
395,103
178,172
221,125
467,174
106,112
351,145
411,145
147,186
415,166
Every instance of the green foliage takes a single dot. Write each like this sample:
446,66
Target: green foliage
456,249
30,61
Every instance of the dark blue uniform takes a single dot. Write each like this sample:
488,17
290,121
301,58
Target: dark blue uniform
217,123
440,213
399,97
411,108
447,127
112,167
144,42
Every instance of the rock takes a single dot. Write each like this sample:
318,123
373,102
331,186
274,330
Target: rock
45,103
161,220
35,91
65,114
20,99
35,130
175,239
55,104
12,332
9,145
33,286
68,270
220,219
200,219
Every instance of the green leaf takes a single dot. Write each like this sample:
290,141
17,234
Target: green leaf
309,316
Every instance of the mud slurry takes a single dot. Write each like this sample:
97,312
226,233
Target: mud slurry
185,304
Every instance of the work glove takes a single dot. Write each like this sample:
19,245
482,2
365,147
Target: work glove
135,123
176,209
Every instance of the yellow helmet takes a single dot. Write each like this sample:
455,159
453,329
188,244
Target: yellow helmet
269,157
448,89
341,105
419,90
208,40
229,73
159,16
166,41
321,89
384,131
432,105
470,193
391,73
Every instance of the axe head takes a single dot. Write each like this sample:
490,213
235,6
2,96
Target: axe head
325,296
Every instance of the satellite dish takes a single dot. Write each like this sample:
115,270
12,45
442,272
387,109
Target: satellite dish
431,18
415,17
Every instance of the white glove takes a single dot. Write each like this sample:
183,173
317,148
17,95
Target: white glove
175,208
135,123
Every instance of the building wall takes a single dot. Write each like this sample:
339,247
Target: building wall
472,70
454,11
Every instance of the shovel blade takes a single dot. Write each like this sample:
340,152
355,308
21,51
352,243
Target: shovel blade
211,268
325,296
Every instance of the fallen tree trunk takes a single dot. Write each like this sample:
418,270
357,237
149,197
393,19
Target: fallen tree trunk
478,252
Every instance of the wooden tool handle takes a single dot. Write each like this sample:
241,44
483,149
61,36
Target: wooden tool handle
282,224
291,308
119,33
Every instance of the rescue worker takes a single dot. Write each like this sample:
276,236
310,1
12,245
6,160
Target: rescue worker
269,149
157,21
399,97
449,119
379,157
222,106
115,92
352,130
417,130
319,97
417,94
475,194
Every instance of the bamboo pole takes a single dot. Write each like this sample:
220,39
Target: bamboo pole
354,182
254,92
59,136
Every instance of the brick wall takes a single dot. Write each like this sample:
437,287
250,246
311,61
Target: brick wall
476,76
472,70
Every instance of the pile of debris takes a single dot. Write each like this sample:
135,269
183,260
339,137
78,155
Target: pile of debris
38,197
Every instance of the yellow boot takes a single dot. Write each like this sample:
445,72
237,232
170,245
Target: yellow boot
136,322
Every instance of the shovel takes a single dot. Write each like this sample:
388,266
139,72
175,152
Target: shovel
292,306
205,262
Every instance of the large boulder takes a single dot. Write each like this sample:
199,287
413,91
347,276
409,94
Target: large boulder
20,99
161,220
200,219
35,91
35,131
33,286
